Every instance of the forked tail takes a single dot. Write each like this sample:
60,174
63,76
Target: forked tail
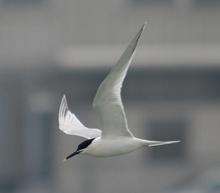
158,143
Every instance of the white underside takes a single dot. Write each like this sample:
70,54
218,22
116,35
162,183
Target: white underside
106,147
112,147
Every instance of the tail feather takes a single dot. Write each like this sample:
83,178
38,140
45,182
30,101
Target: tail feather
158,143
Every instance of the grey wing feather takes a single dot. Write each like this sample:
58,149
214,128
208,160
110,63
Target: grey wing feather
107,102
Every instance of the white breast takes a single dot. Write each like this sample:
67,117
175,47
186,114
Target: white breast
111,147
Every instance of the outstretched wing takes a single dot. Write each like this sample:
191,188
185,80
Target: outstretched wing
107,102
69,124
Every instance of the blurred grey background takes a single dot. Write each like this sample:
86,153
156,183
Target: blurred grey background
51,47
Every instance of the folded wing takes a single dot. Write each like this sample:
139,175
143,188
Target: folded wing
107,102
69,124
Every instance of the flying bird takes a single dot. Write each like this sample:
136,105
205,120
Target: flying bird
115,138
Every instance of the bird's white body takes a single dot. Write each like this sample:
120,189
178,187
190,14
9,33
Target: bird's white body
113,146
115,138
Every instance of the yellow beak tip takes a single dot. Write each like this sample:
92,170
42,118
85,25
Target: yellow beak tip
64,160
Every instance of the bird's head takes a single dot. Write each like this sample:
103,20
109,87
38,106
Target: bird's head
81,147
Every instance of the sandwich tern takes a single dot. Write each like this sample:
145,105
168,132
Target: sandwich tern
115,138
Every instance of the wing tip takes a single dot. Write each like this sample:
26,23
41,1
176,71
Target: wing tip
142,29
63,108
63,99
145,24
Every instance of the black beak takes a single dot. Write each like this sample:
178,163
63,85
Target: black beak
71,155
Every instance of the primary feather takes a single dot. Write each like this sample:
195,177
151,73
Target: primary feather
107,102
69,124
